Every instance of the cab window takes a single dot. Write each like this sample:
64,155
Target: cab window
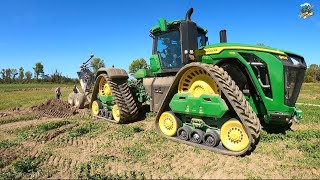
201,40
169,50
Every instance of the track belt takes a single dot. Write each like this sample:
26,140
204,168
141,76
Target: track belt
121,96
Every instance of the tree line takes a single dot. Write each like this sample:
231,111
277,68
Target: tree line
312,74
12,75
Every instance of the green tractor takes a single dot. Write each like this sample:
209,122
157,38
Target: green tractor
213,96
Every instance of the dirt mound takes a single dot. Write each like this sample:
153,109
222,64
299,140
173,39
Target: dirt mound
55,108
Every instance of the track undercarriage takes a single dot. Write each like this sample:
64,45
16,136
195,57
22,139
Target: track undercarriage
236,132
113,102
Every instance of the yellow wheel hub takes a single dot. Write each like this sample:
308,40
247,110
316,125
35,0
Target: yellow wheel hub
95,108
104,89
116,113
234,136
196,82
168,124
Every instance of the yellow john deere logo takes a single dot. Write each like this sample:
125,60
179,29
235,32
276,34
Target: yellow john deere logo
283,57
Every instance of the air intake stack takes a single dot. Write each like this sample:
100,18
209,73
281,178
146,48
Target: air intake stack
223,36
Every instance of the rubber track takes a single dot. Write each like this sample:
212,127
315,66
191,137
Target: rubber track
238,102
123,98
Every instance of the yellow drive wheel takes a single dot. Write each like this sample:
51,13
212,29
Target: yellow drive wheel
116,113
234,136
95,107
104,89
196,82
169,123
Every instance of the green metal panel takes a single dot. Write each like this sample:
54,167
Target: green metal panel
205,105
105,99
141,73
276,75
155,63
162,24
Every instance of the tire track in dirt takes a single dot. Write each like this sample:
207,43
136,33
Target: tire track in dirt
30,147
21,124
64,166
78,141
54,134
10,154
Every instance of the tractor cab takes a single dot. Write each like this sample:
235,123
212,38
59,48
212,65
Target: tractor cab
174,44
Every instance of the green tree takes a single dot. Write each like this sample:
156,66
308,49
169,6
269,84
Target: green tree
313,71
28,75
308,79
96,63
8,74
21,73
38,69
136,65
56,77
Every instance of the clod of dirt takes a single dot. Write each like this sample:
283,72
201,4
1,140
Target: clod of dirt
16,109
55,108
3,114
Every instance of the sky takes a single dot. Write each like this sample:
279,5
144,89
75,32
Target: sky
61,34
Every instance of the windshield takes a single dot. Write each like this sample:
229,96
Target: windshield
201,40
169,49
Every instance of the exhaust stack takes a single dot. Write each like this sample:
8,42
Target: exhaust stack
188,15
223,36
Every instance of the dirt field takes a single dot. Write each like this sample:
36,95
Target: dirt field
38,144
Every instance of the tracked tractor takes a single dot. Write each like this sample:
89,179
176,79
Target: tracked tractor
214,96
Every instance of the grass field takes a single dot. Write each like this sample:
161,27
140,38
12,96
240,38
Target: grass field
81,147
27,95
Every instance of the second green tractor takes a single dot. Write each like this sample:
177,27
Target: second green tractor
213,96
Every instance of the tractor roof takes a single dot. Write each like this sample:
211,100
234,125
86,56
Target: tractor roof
156,28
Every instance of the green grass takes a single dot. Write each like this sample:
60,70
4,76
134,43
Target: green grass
310,114
102,158
11,119
136,151
305,141
33,131
12,95
311,153
300,135
125,131
26,165
8,143
309,101
9,175
86,128
310,88
25,99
